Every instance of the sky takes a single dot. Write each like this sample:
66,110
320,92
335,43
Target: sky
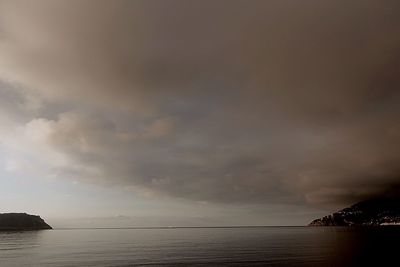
185,112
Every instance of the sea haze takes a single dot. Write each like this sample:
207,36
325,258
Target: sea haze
231,246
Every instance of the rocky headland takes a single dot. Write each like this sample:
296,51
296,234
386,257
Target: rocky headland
21,222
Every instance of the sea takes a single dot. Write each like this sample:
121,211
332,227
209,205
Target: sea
221,246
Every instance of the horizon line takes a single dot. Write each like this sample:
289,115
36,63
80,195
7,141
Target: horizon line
174,227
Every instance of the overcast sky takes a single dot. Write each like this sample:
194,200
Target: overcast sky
215,112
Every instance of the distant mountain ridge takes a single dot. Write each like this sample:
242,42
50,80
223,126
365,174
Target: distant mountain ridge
21,222
381,211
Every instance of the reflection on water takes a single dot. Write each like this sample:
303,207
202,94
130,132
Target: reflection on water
266,246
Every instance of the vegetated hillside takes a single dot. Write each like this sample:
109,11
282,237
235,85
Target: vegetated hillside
382,211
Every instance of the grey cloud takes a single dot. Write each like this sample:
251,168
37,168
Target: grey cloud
225,101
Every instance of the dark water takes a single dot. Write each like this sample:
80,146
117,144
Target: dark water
264,246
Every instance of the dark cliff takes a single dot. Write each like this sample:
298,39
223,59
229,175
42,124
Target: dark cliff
21,222
383,211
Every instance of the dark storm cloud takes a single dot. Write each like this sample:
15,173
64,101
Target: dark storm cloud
232,101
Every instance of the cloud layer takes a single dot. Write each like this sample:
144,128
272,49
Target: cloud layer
217,101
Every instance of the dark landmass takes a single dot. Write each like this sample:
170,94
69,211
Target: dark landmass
382,211
21,222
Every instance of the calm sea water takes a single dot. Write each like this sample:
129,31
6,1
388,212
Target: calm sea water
263,246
